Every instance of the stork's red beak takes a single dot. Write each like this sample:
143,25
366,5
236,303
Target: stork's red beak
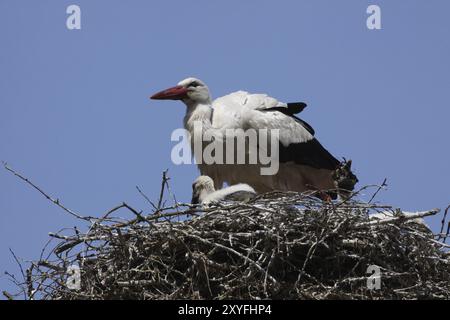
175,93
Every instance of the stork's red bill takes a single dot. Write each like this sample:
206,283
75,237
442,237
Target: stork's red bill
304,164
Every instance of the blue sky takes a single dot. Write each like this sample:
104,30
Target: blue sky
76,118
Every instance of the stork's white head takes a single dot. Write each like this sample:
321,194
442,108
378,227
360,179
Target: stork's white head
202,187
190,91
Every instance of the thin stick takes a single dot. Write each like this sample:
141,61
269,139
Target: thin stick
145,197
444,218
161,193
8,295
54,201
378,190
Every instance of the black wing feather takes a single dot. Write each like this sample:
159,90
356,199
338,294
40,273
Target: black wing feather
291,109
304,125
295,107
310,153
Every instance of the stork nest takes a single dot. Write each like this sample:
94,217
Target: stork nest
277,246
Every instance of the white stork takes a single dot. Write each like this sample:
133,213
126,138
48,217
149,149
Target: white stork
304,163
203,192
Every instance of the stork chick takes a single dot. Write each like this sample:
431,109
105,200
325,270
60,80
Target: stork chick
203,192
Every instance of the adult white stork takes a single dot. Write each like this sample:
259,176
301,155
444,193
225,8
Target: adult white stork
204,192
304,164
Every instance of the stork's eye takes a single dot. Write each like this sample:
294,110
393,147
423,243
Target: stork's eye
194,84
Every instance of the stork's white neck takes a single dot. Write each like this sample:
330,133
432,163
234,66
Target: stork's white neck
197,121
198,113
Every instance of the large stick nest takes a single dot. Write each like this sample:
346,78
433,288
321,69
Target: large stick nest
278,246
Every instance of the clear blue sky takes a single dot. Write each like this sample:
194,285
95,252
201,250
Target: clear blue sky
76,118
